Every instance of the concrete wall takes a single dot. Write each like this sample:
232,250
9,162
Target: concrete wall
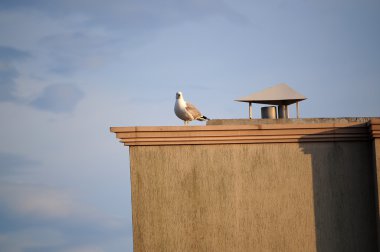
258,197
291,187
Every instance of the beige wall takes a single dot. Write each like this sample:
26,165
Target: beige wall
256,185
253,197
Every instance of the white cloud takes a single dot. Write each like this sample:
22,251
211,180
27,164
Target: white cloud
37,201
40,217
9,57
58,98
31,238
47,203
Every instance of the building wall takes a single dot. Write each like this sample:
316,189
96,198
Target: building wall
315,194
257,197
376,165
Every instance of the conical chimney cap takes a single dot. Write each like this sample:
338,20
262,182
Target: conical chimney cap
280,94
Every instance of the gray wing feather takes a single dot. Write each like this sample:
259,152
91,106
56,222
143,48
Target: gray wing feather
193,110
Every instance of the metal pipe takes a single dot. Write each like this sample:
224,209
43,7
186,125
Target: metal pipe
298,112
283,111
269,112
250,110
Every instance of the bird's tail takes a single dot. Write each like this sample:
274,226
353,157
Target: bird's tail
203,118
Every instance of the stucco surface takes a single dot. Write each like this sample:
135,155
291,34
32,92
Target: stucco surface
253,197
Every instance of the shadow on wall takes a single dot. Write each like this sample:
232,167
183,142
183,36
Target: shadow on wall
344,195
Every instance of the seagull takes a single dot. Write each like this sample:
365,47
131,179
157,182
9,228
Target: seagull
187,111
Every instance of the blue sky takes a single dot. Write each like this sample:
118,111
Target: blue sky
71,69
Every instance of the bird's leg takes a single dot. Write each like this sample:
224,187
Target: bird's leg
184,123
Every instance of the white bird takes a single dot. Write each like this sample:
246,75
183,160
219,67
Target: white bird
187,111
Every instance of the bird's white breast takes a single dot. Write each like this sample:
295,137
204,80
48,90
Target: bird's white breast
180,110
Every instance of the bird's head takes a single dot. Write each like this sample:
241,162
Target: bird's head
178,95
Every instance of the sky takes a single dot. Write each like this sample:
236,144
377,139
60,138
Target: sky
70,69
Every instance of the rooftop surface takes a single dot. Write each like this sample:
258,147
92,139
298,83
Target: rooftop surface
289,121
243,131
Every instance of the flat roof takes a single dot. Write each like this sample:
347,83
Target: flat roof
315,130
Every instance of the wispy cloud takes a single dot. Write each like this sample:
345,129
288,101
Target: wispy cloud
59,98
9,54
76,50
8,72
56,98
133,15
11,163
49,219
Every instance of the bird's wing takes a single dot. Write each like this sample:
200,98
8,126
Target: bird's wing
190,108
